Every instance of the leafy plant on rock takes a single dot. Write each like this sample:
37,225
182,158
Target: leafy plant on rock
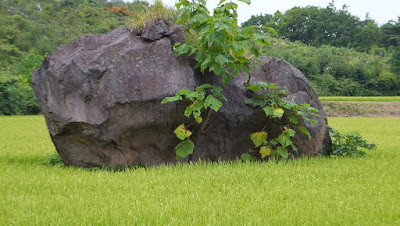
225,50
271,100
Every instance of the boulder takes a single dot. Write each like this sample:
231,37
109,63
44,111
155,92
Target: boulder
101,98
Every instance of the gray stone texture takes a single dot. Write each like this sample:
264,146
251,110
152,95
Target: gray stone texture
101,98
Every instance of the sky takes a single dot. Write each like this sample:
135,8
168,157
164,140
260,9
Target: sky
380,10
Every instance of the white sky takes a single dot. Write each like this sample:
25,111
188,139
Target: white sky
380,10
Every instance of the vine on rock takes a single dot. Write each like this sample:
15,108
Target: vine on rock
226,50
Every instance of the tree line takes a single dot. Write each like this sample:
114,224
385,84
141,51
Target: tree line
340,53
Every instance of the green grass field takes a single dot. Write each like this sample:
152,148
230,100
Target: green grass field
392,98
337,191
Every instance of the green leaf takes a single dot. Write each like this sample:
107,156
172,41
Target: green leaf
294,119
259,36
295,148
245,157
247,69
182,133
271,30
259,138
212,102
216,68
290,132
235,68
273,112
283,152
221,1
171,99
304,131
226,78
312,121
183,49
205,63
253,88
265,151
199,120
284,140
181,3
184,149
255,101
222,60
183,92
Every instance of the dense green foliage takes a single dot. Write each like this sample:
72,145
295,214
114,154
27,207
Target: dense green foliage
366,60
347,144
340,71
29,30
315,191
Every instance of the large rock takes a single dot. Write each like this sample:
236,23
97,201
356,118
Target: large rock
101,97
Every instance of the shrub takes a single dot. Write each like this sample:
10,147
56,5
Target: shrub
157,11
347,144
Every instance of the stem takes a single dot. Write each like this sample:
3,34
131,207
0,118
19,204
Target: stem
200,131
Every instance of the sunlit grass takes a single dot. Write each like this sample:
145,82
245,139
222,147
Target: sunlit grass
361,191
334,98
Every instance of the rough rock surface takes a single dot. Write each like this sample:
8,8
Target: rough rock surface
101,95
156,31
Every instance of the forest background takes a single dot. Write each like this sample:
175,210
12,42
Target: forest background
338,52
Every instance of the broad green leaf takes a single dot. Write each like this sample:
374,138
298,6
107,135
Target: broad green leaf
294,119
245,157
226,77
259,36
290,132
271,30
273,112
222,60
184,92
253,88
283,152
171,99
258,138
235,68
284,140
247,69
194,108
199,119
184,149
255,102
181,3
278,112
265,151
216,68
312,121
183,49
221,1
304,131
205,86
295,148
182,133
188,112
205,63
212,102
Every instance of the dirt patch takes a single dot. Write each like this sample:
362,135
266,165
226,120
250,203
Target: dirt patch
362,109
